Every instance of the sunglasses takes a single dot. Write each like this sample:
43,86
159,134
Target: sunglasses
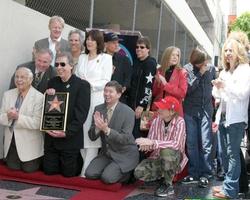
62,64
141,47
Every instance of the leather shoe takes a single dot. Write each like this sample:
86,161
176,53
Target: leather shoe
220,195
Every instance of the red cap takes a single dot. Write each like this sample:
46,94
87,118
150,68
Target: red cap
168,103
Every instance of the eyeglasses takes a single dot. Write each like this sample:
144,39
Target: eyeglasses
62,64
141,47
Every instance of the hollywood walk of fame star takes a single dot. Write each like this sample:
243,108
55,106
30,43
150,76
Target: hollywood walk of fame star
55,104
27,194
149,78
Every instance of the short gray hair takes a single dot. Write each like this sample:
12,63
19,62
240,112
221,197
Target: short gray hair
29,72
81,36
66,55
44,51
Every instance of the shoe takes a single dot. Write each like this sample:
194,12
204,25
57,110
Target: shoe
216,189
189,180
220,195
203,182
164,190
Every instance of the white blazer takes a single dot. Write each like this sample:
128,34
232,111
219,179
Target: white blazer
29,140
98,74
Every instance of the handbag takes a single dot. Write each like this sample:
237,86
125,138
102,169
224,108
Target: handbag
147,117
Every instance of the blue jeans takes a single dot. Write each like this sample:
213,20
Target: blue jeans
199,145
233,137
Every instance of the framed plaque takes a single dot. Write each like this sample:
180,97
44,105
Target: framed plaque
54,115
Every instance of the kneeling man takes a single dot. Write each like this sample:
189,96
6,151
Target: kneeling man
166,144
20,113
113,122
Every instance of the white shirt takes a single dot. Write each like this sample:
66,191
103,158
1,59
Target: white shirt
52,47
235,94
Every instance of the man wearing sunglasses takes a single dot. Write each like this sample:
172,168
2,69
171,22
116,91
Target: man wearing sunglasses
144,70
62,148
41,69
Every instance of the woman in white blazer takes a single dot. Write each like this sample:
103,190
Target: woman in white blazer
23,142
96,67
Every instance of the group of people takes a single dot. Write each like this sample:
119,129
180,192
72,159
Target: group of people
107,97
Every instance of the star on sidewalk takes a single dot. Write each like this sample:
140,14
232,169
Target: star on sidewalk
149,78
55,104
27,194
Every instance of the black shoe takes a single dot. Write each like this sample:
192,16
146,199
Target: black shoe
189,180
164,190
203,182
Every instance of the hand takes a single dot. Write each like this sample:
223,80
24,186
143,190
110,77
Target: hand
100,122
144,142
144,148
218,83
12,114
204,68
215,127
138,112
50,91
56,134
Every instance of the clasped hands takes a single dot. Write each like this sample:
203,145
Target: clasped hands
100,122
144,144
12,114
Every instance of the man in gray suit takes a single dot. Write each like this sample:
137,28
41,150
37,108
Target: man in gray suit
41,69
113,122
54,42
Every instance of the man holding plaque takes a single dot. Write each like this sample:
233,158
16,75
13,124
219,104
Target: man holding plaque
62,144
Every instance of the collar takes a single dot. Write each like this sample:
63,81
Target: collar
58,40
113,107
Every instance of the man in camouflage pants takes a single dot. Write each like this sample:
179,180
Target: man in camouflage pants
166,144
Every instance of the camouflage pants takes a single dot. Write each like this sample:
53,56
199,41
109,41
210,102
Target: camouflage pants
164,166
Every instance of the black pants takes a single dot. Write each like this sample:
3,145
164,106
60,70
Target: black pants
243,182
13,161
65,162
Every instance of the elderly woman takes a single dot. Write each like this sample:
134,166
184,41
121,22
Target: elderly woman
171,78
21,115
76,39
233,89
62,149
96,68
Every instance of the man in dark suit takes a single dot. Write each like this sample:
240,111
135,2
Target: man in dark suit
113,122
54,42
41,69
122,69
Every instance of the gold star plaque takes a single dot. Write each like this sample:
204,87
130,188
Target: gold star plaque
54,114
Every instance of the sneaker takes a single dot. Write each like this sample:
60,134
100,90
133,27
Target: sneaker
203,182
189,180
164,190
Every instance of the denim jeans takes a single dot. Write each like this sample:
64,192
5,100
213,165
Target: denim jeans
233,136
199,145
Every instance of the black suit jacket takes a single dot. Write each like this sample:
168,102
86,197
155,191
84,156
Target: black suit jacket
120,143
78,108
42,86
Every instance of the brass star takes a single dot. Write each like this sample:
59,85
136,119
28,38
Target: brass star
55,104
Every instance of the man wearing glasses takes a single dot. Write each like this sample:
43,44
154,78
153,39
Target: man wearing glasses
144,70
62,148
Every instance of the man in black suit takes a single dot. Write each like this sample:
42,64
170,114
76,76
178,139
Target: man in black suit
113,122
122,69
62,148
41,69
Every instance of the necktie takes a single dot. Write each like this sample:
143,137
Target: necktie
37,79
109,114
18,104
